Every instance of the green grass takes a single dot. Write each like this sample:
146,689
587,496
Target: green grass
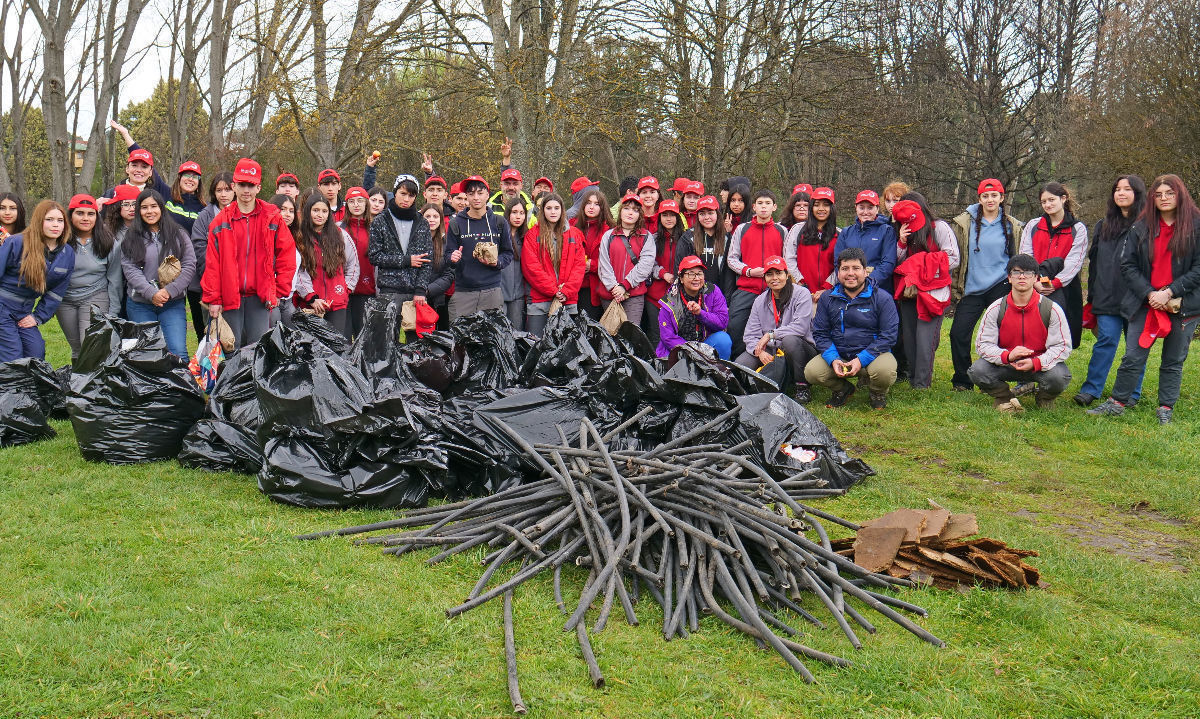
156,591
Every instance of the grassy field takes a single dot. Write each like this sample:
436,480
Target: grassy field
155,591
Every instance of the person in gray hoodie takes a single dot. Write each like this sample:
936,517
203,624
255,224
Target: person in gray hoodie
780,321
97,279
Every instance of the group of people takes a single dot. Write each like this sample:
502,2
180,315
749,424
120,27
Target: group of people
795,296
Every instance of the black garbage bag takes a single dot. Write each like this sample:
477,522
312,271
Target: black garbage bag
216,445
563,355
375,349
701,379
22,420
435,360
63,375
37,380
321,329
476,463
536,415
130,400
234,398
491,360
787,438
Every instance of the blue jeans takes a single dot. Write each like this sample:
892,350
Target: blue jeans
19,342
171,318
721,342
1109,329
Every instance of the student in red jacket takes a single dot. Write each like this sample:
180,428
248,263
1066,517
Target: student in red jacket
594,219
808,248
626,258
357,224
250,260
671,227
554,262
1057,234
328,265
753,242
650,195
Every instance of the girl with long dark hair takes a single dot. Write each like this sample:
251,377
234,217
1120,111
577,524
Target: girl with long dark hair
512,280
1161,269
796,211
12,214
593,220
220,190
357,224
291,217
97,280
708,241
328,265
438,292
186,201
153,239
808,247
1059,243
553,262
1106,287
35,271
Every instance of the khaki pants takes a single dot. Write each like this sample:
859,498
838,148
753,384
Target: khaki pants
881,374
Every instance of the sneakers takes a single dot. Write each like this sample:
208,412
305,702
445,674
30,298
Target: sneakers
1083,399
1024,388
1110,407
803,395
878,401
1007,406
1164,414
842,396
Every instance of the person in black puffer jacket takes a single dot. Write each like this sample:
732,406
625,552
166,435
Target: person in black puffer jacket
400,246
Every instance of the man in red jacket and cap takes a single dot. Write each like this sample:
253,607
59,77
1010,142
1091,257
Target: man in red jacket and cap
251,259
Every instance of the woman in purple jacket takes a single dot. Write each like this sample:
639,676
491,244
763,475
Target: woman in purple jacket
781,322
693,311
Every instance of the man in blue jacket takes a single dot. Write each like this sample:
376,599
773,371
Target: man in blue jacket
874,235
854,329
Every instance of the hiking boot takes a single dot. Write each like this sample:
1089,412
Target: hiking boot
840,397
878,400
1044,402
1083,399
1131,404
1110,407
803,394
1024,388
964,388
1164,414
1007,406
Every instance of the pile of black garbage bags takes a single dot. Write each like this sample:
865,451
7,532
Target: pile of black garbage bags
378,423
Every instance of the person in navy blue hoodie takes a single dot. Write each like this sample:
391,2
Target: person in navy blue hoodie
476,282
875,236
854,328
35,271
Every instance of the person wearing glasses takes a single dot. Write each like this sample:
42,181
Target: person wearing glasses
693,310
1023,337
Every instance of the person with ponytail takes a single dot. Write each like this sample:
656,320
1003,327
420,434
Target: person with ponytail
553,260
1059,243
35,272
593,220
97,279
220,189
987,239
1106,286
357,224
808,248
927,254
152,239
328,265
1161,268
12,215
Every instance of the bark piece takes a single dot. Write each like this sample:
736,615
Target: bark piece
958,527
911,520
876,547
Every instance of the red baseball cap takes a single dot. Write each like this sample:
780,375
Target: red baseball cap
247,170
990,184
630,197
475,178
823,193
680,184
581,183
436,180
83,201
189,166
328,174
775,262
708,202
650,181
868,196
803,187
693,187
287,177
1158,324
907,212
668,206
140,155
456,188
123,192
511,173
689,262
356,192
544,181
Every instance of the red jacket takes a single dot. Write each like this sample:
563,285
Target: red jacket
663,264
756,242
359,231
541,274
592,232
331,288
1023,327
1051,242
815,265
248,255
621,263
928,271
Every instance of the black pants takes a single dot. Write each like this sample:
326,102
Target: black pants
586,307
1070,298
358,312
199,316
797,351
740,304
962,330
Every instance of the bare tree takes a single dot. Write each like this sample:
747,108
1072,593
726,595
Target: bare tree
19,71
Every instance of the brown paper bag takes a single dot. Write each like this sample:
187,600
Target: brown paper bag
613,317
169,270
223,333
408,315
486,252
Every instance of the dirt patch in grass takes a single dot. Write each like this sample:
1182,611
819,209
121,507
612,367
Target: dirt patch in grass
1120,533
